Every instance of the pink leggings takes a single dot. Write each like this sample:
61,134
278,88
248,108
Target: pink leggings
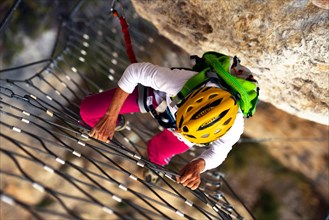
161,148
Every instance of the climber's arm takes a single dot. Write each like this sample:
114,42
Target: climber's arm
104,128
190,174
159,78
213,156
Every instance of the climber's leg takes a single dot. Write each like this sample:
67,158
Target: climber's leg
163,146
93,107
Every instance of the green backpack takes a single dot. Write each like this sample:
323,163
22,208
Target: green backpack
215,67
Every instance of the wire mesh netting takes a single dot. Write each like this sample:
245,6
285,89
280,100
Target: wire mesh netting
50,168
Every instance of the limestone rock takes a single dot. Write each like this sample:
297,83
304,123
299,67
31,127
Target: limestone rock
285,44
321,3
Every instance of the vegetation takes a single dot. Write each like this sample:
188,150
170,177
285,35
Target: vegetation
30,19
277,191
267,206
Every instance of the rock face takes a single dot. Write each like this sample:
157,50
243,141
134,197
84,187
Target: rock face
285,44
298,144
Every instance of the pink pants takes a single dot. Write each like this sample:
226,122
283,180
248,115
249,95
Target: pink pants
161,148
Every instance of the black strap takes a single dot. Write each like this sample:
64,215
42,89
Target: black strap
142,97
164,119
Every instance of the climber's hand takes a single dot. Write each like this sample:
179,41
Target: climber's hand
104,128
190,174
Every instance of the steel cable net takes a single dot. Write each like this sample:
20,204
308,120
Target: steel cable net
56,171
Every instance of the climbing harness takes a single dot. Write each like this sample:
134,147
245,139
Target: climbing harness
145,103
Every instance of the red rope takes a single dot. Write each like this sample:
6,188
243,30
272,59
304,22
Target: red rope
126,36
127,39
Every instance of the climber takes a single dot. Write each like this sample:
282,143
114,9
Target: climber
209,116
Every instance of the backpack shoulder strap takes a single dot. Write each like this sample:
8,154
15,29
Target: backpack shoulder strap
217,67
246,90
195,82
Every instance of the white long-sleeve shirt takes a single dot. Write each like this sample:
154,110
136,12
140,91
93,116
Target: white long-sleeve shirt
170,82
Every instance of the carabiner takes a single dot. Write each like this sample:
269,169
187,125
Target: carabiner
114,11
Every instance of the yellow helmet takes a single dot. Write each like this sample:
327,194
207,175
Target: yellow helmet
206,115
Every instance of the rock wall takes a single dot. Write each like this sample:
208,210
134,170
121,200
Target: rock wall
285,44
298,144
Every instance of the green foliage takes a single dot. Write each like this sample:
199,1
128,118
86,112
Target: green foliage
251,165
246,153
25,22
29,20
267,206
240,155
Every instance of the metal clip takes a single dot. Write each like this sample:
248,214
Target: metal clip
114,11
